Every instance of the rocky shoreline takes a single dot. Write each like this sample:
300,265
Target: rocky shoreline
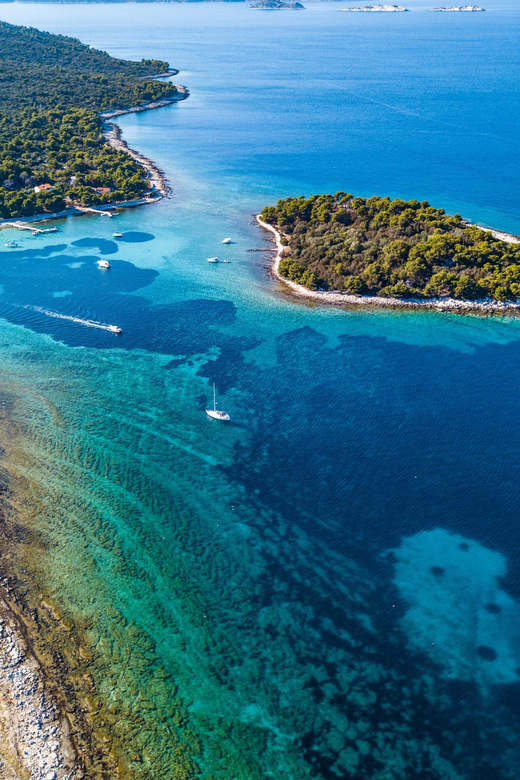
35,738
113,135
337,298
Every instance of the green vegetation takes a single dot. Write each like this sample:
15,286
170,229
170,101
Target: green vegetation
51,91
378,246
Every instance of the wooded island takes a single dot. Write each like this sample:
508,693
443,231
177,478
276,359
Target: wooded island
52,89
393,248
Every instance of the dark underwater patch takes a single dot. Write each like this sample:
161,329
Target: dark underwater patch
103,245
23,253
487,653
136,237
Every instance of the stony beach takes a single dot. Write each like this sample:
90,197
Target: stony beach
34,737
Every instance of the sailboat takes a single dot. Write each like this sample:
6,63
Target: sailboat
215,412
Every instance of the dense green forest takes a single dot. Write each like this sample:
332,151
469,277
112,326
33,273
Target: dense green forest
378,246
51,90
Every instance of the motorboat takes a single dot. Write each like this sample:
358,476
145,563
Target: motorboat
104,264
114,329
117,235
226,241
12,244
215,413
212,259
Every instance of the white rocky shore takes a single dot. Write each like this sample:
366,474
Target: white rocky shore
113,135
346,299
377,8
456,8
34,740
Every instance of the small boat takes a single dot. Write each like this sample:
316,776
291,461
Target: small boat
212,259
224,261
104,264
215,412
12,244
226,241
117,235
114,328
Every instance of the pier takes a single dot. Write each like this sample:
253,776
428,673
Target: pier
25,226
90,210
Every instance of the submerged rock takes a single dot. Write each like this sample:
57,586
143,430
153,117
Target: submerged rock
457,613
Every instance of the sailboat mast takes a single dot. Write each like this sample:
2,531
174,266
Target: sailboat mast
214,398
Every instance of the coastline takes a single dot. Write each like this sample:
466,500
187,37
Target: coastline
43,735
113,135
35,737
336,298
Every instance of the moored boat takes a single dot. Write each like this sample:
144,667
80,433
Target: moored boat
226,241
104,264
212,259
215,413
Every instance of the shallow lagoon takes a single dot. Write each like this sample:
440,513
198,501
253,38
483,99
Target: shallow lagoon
233,585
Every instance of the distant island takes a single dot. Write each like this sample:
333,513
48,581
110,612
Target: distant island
377,8
381,250
460,8
276,5
53,150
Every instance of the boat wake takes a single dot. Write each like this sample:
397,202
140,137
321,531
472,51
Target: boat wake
78,320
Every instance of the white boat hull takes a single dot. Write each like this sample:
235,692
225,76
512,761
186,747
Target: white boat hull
216,415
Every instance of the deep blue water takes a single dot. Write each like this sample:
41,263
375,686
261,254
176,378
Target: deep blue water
352,431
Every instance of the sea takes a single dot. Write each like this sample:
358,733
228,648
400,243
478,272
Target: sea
328,586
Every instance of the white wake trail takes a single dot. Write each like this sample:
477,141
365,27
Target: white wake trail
87,323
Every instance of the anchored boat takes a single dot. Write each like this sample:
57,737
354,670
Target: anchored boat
215,413
104,264
212,259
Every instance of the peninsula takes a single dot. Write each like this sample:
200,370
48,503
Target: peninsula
341,248
57,151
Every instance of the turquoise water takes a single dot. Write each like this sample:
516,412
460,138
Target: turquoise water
330,583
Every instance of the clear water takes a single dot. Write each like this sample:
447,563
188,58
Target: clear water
235,585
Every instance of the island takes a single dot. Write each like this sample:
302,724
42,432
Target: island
460,8
377,8
57,150
384,251
276,5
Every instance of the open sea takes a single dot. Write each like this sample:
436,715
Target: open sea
329,585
